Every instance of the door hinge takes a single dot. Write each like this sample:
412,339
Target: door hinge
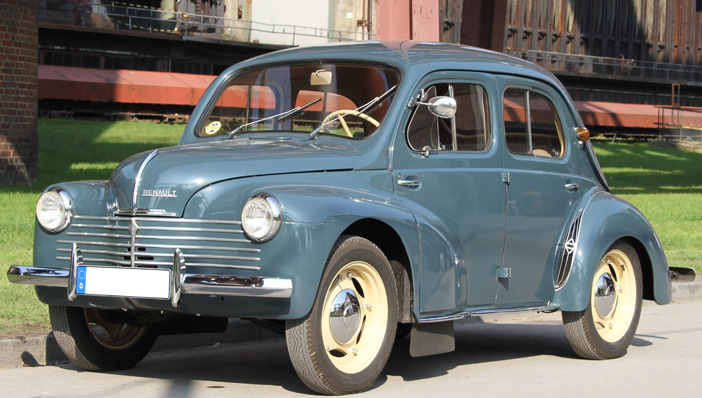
506,177
504,273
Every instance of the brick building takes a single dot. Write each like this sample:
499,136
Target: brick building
18,91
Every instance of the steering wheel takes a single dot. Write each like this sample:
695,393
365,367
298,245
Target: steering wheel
348,112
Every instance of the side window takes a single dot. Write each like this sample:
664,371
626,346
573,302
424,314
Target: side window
468,130
531,124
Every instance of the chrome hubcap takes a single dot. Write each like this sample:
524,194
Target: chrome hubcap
605,295
345,316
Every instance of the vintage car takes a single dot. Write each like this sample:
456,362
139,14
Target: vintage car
345,194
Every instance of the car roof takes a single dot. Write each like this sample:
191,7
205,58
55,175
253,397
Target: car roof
406,54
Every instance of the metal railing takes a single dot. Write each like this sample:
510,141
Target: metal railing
137,18
610,67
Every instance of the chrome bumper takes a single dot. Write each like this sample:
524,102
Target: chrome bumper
181,282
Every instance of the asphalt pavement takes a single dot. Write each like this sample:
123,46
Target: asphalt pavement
43,350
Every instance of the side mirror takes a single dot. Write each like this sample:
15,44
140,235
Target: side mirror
443,107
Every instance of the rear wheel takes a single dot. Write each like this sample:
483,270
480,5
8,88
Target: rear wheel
343,344
96,339
607,326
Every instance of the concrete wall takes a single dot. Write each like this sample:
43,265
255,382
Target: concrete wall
18,91
314,15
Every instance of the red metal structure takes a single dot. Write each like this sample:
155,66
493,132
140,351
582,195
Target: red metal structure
606,52
148,94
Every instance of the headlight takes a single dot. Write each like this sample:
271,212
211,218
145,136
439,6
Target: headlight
54,210
261,217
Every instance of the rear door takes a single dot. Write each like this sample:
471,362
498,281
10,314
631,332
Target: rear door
543,188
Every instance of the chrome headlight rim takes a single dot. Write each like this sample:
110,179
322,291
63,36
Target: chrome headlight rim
273,207
64,199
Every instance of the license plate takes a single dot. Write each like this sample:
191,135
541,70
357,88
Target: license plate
123,282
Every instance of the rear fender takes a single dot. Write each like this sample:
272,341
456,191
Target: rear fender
606,220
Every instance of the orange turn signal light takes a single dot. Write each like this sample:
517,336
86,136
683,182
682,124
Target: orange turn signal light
583,133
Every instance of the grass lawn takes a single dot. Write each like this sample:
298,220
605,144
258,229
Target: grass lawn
665,183
68,150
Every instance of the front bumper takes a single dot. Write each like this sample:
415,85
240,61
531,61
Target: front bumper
180,282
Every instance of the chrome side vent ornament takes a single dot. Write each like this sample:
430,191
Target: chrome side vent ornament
568,251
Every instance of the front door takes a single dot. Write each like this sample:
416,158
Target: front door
448,172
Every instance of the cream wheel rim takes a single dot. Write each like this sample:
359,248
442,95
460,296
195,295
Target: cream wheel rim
354,317
112,335
613,301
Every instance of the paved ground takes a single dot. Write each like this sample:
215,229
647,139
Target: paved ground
524,355
43,350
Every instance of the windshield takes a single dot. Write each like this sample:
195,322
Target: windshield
343,99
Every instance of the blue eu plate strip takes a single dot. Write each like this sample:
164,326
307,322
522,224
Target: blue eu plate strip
80,280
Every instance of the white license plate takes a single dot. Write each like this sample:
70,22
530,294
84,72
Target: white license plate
124,282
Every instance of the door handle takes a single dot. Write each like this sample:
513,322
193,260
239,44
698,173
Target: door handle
571,187
406,183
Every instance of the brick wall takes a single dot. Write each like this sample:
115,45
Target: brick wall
18,91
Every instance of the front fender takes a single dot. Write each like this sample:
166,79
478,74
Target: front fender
90,198
605,220
315,215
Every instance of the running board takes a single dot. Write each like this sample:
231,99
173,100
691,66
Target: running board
465,314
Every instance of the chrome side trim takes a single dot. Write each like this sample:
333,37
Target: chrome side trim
465,314
220,285
137,180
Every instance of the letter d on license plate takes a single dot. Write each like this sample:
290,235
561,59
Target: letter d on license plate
124,282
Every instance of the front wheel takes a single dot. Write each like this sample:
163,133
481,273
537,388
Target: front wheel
606,327
343,344
97,340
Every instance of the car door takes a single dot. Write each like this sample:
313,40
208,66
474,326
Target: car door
542,188
448,172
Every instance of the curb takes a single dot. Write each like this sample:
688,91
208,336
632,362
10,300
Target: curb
687,291
43,350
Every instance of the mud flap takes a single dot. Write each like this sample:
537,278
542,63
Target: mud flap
431,338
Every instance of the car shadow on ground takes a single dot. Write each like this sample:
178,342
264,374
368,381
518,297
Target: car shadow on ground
266,362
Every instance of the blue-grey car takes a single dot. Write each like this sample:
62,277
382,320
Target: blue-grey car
346,195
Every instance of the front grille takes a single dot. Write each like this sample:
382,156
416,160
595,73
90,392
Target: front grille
151,242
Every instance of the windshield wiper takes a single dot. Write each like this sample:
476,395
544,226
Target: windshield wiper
361,109
280,116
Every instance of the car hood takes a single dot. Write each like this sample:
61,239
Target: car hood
165,179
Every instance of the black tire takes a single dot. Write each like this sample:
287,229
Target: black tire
605,329
321,345
99,340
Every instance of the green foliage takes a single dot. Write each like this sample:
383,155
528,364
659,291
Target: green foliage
68,150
